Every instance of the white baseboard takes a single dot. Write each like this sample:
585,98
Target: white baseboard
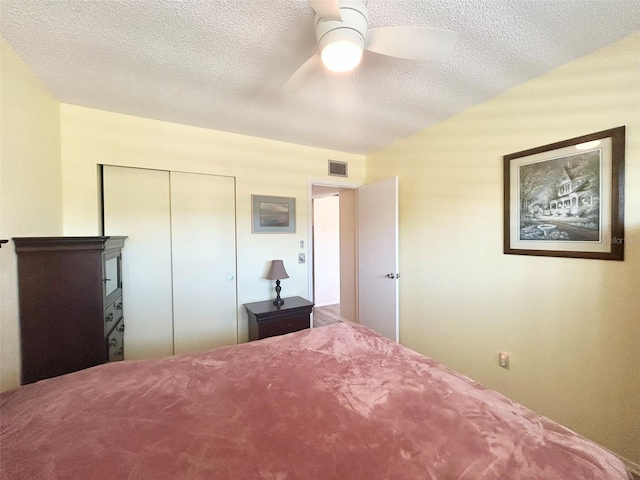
326,304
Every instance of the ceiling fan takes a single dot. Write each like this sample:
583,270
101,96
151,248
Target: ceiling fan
343,34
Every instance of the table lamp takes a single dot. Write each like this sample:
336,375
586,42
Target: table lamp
277,272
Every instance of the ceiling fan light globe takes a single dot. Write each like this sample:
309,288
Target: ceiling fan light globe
341,55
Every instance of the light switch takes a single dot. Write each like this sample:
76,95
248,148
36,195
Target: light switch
503,360
301,258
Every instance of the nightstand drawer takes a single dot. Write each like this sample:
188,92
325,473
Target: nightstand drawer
271,328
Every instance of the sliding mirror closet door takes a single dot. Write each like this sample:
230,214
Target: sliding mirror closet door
183,229
203,241
137,204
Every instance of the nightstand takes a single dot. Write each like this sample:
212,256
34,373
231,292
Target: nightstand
268,320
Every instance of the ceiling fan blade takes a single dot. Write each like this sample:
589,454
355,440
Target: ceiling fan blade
302,75
327,9
414,43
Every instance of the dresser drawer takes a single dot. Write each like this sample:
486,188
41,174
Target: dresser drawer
112,315
273,327
115,343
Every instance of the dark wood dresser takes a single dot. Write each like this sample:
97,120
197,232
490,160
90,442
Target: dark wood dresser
269,320
71,314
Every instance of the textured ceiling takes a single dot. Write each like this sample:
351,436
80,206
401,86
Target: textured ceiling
219,63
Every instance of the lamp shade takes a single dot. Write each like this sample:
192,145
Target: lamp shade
277,271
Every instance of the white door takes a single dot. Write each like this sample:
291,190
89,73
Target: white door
378,291
179,287
203,237
136,204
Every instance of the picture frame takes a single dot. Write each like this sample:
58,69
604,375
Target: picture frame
566,199
273,214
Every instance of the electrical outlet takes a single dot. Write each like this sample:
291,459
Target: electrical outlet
301,258
503,360
301,243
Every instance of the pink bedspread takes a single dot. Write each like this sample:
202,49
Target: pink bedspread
337,402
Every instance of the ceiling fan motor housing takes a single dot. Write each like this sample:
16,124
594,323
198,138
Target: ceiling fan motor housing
353,26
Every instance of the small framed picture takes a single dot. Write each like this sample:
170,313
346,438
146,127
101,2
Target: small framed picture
567,199
273,214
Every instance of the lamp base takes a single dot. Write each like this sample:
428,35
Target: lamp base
278,301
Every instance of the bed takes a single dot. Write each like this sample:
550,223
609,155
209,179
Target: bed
336,402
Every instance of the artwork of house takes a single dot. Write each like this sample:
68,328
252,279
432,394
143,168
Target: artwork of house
163,91
560,198
576,193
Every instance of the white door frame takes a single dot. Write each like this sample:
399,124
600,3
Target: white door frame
320,182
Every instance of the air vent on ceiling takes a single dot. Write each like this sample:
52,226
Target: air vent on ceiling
338,169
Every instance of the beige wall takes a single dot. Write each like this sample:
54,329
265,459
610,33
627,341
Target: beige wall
264,167
30,187
571,326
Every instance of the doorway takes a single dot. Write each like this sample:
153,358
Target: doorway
369,291
333,254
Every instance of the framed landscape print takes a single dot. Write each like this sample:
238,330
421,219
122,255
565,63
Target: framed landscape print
273,214
567,199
